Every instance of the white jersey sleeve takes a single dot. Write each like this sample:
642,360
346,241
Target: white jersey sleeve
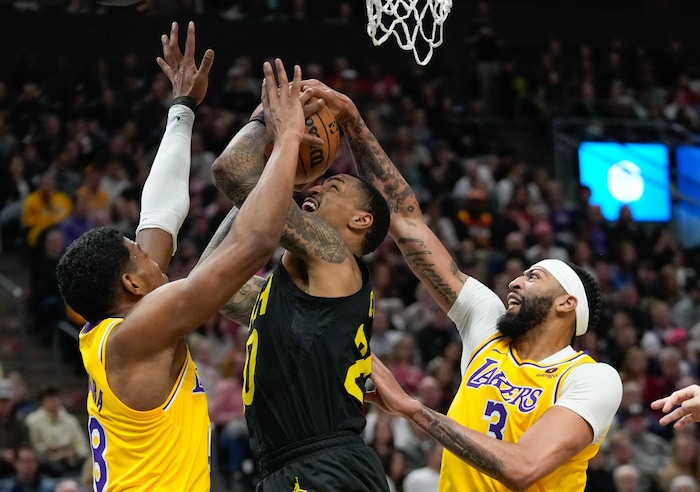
594,391
475,313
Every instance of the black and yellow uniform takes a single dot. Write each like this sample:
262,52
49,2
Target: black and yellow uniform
307,362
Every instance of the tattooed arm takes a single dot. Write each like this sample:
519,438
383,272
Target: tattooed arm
238,307
427,257
519,465
237,171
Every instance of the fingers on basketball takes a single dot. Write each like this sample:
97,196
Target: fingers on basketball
314,160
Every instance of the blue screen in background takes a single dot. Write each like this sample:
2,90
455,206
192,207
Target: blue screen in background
635,174
688,204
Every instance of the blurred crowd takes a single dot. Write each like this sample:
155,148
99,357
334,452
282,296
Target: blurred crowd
74,155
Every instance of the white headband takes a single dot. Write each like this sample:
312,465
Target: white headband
571,283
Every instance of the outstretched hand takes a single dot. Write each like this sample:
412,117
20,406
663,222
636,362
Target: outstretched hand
388,395
681,407
310,107
338,103
284,114
181,69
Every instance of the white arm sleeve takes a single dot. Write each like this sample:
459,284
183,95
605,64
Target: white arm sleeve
165,200
594,391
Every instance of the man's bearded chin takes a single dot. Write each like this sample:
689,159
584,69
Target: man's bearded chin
532,313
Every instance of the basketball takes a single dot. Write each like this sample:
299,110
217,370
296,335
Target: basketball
314,161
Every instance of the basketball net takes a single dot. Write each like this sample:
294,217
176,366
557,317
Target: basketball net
405,20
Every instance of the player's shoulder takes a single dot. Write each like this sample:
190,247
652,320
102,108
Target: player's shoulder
599,373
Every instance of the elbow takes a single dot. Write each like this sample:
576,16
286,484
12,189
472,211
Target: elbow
266,244
521,477
218,173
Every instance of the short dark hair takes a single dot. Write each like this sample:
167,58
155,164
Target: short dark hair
374,203
48,391
89,272
593,295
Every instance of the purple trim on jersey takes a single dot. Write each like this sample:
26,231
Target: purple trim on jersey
535,364
485,344
179,383
560,381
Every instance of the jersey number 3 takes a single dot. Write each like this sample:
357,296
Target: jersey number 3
496,414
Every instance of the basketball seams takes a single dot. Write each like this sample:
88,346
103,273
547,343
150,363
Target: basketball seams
323,121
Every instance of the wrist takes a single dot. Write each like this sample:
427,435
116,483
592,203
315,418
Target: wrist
347,108
289,138
185,101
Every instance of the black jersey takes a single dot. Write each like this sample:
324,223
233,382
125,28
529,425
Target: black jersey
306,364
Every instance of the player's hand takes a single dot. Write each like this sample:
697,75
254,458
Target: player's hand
284,114
181,69
388,395
338,103
681,407
310,107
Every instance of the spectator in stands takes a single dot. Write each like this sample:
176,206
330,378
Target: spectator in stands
78,222
650,452
23,403
384,335
627,229
44,207
405,363
596,230
14,188
684,483
45,300
627,479
599,477
95,196
684,461
654,339
686,311
28,476
545,246
64,167
227,415
57,436
425,479
68,485
13,431
433,339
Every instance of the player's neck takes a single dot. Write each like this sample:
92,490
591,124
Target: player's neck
541,342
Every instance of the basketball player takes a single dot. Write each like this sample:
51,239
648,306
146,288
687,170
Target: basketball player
530,411
682,407
308,353
148,416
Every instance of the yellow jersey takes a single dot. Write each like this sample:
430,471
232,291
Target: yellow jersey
166,448
502,396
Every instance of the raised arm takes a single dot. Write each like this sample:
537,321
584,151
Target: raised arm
427,257
165,199
238,307
175,309
237,170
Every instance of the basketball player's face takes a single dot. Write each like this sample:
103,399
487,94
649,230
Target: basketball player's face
529,303
147,270
333,200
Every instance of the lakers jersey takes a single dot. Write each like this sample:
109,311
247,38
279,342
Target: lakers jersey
307,362
163,449
502,396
